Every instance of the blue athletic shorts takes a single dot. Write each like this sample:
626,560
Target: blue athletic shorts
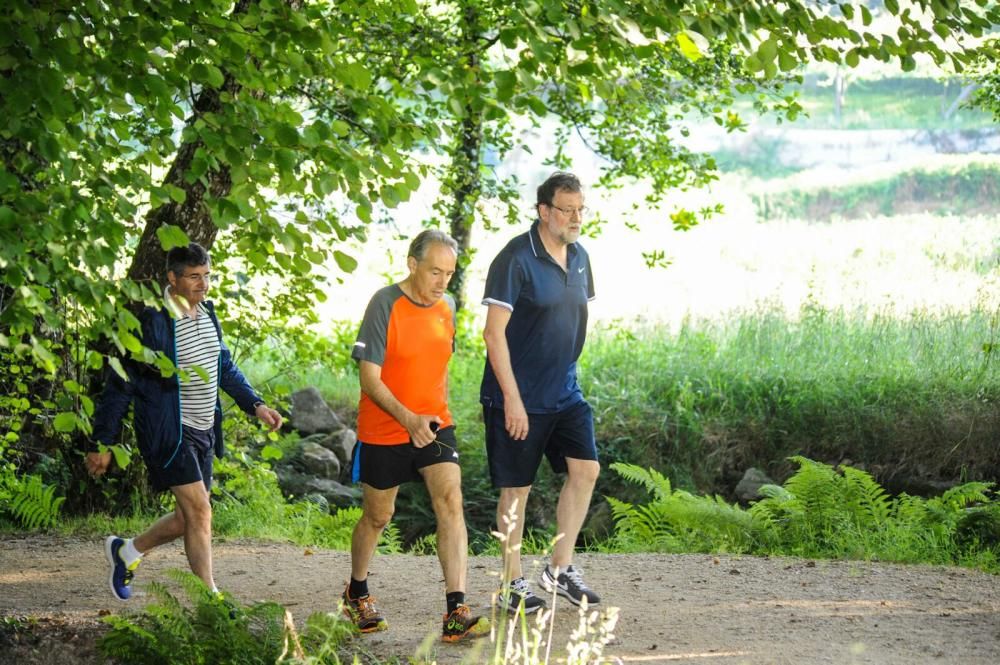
568,433
192,462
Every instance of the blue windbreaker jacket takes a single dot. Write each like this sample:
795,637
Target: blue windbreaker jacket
157,398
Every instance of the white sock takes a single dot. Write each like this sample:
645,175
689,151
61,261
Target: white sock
129,553
215,589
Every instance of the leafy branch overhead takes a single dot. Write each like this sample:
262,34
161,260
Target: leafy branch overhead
275,131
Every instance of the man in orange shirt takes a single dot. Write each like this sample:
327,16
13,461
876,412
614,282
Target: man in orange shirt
405,431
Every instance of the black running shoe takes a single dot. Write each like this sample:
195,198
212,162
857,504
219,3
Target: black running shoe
518,594
569,585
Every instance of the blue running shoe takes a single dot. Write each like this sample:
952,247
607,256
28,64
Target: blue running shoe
120,577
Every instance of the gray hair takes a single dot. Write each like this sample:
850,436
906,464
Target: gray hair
419,245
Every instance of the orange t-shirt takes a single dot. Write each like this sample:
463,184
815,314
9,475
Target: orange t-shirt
412,344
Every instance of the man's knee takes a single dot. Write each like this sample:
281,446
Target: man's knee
377,519
584,472
448,501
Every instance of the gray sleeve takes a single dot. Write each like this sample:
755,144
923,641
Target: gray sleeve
373,335
454,320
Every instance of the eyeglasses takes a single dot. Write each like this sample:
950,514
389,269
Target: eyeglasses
570,212
199,277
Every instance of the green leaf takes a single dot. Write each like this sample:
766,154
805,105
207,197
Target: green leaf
892,6
688,47
64,422
122,456
171,236
354,75
116,365
270,452
346,262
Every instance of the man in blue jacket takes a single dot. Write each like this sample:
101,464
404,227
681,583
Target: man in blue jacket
178,417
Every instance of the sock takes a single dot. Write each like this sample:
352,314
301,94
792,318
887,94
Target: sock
358,589
129,554
455,598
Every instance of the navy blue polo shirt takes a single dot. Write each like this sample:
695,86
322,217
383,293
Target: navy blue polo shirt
548,321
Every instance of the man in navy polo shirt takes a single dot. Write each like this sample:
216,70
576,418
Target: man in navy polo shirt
537,291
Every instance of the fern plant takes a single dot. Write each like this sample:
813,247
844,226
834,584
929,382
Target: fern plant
676,520
33,503
821,511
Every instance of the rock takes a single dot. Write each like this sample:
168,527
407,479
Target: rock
748,489
296,484
342,444
337,494
318,461
311,413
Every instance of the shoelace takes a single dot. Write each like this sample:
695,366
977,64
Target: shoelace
575,575
366,607
520,585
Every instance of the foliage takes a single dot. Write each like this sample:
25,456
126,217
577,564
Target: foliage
820,512
678,521
988,95
215,630
30,502
962,190
252,505
708,400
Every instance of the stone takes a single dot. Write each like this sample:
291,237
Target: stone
311,413
342,444
342,496
300,485
748,489
318,461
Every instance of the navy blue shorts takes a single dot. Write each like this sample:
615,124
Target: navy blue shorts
387,466
192,461
568,433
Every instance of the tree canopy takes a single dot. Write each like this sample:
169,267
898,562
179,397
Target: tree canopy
274,130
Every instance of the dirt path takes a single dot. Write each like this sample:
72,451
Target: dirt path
673,608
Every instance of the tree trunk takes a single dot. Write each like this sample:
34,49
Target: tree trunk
149,261
466,160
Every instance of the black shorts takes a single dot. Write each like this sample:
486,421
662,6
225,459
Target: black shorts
387,466
191,462
568,433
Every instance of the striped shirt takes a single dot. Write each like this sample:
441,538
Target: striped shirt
198,346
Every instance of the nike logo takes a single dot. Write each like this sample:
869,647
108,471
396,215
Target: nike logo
580,269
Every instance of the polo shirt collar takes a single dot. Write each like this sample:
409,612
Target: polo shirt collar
538,247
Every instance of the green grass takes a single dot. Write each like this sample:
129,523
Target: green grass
970,188
899,397
892,102
711,399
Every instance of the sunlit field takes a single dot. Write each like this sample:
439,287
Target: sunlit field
738,260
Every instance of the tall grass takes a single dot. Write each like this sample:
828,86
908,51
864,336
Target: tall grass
916,395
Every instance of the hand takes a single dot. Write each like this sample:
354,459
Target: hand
419,428
97,463
515,419
268,416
